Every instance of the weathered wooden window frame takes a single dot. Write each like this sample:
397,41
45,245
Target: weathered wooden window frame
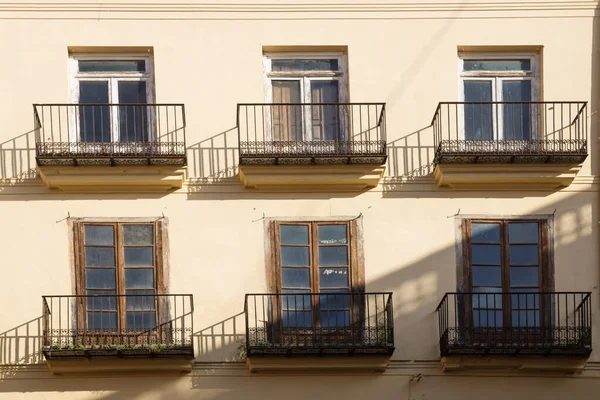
305,78
75,76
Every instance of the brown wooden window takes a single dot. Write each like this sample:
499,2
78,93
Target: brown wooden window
506,256
119,266
320,258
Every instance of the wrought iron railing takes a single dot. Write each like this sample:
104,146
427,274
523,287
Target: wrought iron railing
119,131
500,132
533,323
108,322
295,132
319,323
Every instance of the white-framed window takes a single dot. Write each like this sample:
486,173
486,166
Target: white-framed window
499,92
111,94
300,87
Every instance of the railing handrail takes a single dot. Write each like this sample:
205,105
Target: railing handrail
44,297
582,102
107,104
239,105
516,292
319,294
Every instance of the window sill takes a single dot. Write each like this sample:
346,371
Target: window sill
113,179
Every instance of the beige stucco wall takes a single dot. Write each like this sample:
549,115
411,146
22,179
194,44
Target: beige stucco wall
210,58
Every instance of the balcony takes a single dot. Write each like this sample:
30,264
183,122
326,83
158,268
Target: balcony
108,333
111,147
532,145
329,146
310,331
554,325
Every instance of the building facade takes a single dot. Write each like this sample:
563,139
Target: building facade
299,200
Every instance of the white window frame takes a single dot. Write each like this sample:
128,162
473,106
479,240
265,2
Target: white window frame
305,78
496,78
75,76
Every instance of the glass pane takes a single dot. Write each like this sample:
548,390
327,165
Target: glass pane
297,319
138,234
523,319
99,256
517,124
98,320
295,277
523,232
293,234
112,66
133,120
335,319
485,254
523,254
485,319
139,278
138,301
141,320
99,235
333,255
304,65
100,278
333,234
98,302
478,117
297,301
336,299
94,118
497,65
524,301
487,276
487,300
325,118
524,276
139,256
333,277
294,256
287,119
482,232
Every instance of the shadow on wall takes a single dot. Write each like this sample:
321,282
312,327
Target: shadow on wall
222,341
411,156
214,159
17,159
22,344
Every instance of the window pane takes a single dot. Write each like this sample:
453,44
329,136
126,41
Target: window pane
497,65
523,232
295,277
98,320
304,65
487,300
99,235
137,278
524,276
333,277
325,118
517,124
133,120
485,319
482,232
140,320
98,302
139,256
138,301
523,254
336,299
100,278
294,256
293,234
335,319
112,66
99,257
485,254
138,234
331,256
523,301
296,301
525,318
478,117
333,234
287,119
297,319
94,118
487,276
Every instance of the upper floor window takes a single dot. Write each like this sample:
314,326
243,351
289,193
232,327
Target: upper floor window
499,91
112,93
300,87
